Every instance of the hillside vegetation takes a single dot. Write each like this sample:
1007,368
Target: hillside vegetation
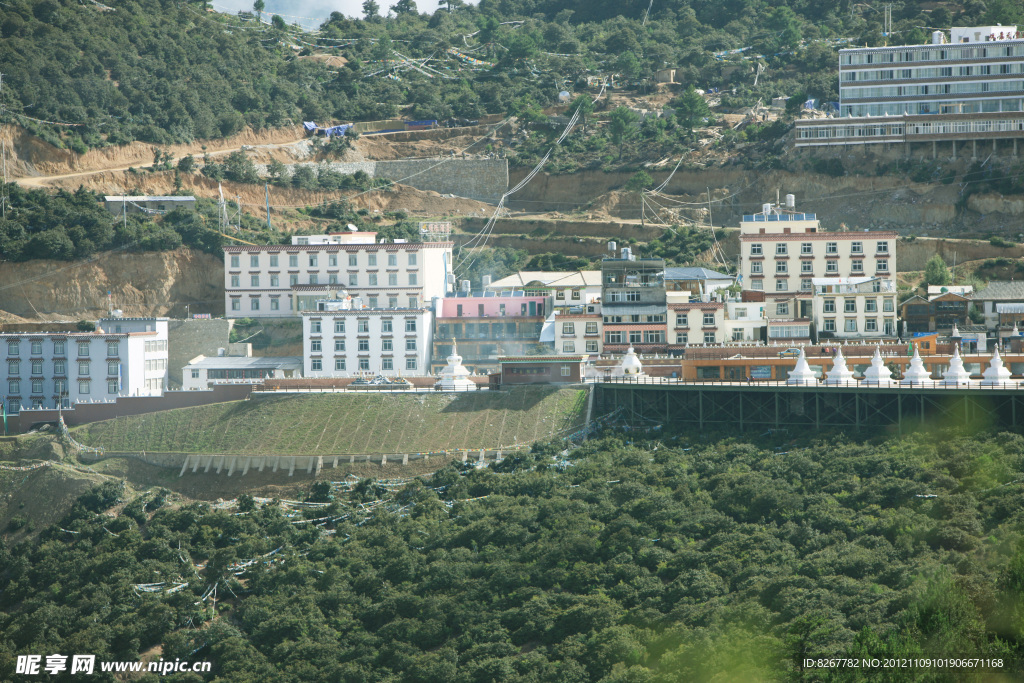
652,562
349,423
163,71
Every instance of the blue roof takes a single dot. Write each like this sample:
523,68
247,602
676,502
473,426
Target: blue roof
694,273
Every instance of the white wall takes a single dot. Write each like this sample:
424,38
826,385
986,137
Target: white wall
343,345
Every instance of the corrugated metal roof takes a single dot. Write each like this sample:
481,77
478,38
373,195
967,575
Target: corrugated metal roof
694,273
249,363
1001,289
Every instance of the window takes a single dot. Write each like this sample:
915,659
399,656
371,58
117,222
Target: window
293,279
781,285
254,304
870,305
831,247
806,267
806,248
591,347
850,306
14,387
851,325
293,260
709,319
314,326
887,305
566,370
882,247
412,259
709,337
372,302
364,363
275,304
654,337
568,347
386,364
363,326
254,260
806,285
112,367
236,281
339,326
575,295
83,386
782,309
58,367
755,250
857,248
756,285
353,279
385,326
882,265
312,261
314,279
316,364
37,348
681,338
781,267
633,296
273,261
332,260
414,303
339,345
373,279
392,260
111,386
560,295
857,266
236,304
612,337
830,325
385,345
781,249
410,363
413,280
568,328
364,344
756,268
275,281
831,266
339,363
392,279
410,325
58,348
314,346
682,320
353,260
83,349
392,302
410,344
871,325
37,367
830,305
234,260
591,328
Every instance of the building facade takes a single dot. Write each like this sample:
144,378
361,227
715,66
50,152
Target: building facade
855,308
568,290
284,280
121,357
203,372
579,333
967,89
350,342
487,327
542,369
634,304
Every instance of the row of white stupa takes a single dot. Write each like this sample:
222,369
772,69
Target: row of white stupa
878,375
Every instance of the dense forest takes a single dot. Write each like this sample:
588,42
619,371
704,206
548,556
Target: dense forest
85,74
678,559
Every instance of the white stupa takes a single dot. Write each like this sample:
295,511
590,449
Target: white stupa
455,376
916,373
840,373
878,375
996,373
801,374
1016,332
957,374
630,365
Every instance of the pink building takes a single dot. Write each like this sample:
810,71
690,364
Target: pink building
493,306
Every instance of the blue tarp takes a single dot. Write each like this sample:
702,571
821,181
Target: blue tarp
337,130
309,125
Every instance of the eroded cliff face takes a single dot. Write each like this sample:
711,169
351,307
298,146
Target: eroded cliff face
149,283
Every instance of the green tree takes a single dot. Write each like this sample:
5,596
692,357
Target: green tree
259,6
187,164
585,106
278,22
621,126
691,108
404,7
936,273
640,181
371,10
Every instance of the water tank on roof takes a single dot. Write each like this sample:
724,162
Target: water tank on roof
221,351
486,281
790,201
465,286
938,37
766,209
612,246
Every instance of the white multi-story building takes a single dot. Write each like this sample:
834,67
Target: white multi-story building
970,88
567,289
351,342
854,308
284,280
203,372
121,357
577,333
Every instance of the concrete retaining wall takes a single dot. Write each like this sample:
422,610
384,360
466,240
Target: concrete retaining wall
481,179
229,463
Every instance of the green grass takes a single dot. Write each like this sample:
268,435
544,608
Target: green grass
348,423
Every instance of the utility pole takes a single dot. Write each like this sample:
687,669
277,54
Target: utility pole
267,188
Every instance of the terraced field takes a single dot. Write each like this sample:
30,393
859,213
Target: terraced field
349,423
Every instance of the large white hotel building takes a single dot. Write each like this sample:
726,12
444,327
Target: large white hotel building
969,88
121,357
279,280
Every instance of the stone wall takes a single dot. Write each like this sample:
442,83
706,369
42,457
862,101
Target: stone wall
187,339
481,179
